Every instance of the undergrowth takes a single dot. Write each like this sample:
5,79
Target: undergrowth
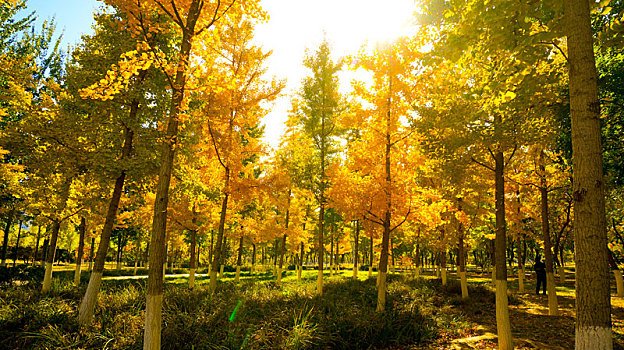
252,315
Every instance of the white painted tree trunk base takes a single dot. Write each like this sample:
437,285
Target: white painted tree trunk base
503,324
153,322
77,274
47,278
221,271
464,285
381,292
593,338
87,306
237,278
444,277
417,272
551,288
279,276
299,270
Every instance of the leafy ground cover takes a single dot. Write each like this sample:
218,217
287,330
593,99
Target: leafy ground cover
258,314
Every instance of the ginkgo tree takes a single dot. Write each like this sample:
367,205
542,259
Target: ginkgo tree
386,156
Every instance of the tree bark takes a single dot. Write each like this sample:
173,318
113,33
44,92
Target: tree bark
56,226
239,261
356,241
19,233
155,283
503,324
218,249
87,306
34,262
80,252
593,300
7,229
553,306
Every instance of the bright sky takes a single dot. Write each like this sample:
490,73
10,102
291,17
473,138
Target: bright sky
294,26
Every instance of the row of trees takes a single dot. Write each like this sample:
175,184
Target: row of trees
459,140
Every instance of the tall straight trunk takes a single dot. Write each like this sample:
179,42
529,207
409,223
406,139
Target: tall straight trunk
194,255
19,233
44,249
193,261
87,306
80,252
253,257
56,226
385,239
553,307
443,258
91,254
218,249
49,260
283,245
34,262
119,250
300,263
7,229
593,300
372,256
417,258
239,261
520,268
321,250
331,253
619,282
155,283
356,242
503,324
461,253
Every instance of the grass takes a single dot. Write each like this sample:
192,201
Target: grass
256,313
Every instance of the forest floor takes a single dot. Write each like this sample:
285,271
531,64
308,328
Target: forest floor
421,314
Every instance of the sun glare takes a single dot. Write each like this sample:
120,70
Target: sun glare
348,25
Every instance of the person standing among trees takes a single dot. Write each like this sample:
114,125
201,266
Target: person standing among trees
540,271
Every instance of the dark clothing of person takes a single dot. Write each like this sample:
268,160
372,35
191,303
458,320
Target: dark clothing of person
540,271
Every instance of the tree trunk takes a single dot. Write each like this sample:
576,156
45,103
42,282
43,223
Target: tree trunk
56,226
503,324
218,249
34,262
593,299
553,306
321,250
300,264
155,283
385,240
91,255
194,255
87,306
7,230
619,282
355,249
253,258
49,261
79,254
19,233
461,255
239,261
